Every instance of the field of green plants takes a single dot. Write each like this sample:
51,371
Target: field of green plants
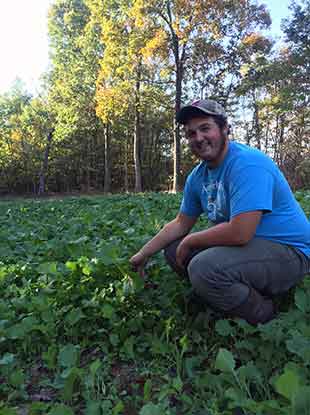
80,333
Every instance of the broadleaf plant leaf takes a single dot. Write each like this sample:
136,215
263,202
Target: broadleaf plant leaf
287,384
225,361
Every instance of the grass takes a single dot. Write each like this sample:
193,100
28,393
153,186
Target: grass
80,333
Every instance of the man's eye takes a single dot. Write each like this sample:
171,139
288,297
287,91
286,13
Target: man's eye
204,129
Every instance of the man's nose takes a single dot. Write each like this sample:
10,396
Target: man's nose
199,135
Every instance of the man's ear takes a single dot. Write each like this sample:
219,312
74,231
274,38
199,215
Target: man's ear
227,128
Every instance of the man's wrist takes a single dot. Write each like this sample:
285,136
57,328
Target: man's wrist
190,240
143,253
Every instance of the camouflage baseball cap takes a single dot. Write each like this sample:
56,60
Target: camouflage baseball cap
201,106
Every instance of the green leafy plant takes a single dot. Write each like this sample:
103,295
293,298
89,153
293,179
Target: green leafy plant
80,332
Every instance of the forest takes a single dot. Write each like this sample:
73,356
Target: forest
104,118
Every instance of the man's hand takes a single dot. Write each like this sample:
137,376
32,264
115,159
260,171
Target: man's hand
183,251
173,230
138,262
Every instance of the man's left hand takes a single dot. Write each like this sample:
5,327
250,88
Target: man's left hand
183,251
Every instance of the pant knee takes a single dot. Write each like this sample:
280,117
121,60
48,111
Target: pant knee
219,289
201,277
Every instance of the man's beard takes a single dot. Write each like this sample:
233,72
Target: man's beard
220,147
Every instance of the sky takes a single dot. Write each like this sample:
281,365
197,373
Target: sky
24,40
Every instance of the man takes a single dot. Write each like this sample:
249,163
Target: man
259,244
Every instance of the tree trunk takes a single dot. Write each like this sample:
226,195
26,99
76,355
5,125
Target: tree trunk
281,140
267,134
179,53
107,167
176,129
177,105
257,124
42,176
126,180
88,165
137,139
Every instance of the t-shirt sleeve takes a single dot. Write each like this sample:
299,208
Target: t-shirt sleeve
190,205
251,189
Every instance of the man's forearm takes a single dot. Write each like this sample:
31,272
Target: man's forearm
224,234
169,233
238,231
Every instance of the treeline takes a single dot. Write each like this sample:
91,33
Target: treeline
120,69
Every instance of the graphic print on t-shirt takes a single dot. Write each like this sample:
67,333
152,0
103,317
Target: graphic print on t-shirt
214,201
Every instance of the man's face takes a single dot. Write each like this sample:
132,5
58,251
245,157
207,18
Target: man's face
206,140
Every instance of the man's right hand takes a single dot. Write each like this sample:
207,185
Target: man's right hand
138,262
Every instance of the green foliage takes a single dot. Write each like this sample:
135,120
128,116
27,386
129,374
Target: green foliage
225,361
287,384
81,332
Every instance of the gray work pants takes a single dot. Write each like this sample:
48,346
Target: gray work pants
222,275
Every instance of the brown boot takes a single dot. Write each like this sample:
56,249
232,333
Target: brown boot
255,309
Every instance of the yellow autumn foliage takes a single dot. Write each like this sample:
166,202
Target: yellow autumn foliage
136,13
255,40
155,44
113,102
16,136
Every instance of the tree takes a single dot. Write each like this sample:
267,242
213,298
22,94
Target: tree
278,90
126,79
75,52
14,147
191,29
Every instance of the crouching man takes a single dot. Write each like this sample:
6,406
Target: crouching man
259,244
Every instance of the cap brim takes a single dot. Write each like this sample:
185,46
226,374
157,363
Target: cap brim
190,111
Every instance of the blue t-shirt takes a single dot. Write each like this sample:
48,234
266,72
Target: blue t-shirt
248,180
